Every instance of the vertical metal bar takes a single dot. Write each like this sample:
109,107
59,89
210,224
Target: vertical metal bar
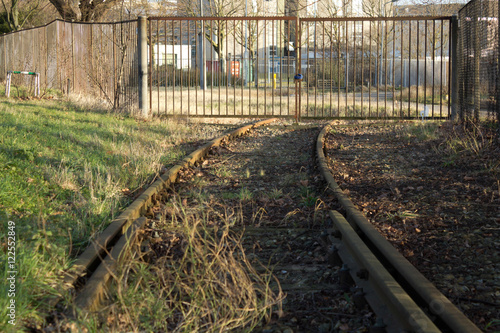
174,61
307,70
254,72
331,68
243,71
298,49
288,65
401,72
441,42
338,70
346,67
433,43
379,35
281,58
272,66
409,69
228,69
315,72
355,69
393,66
189,66
477,64
385,65
114,63
157,73
46,52
362,65
370,73
323,70
73,55
181,64
211,72
239,68
220,67
257,66
266,70
143,70
418,65
425,64
5,52
197,67
203,76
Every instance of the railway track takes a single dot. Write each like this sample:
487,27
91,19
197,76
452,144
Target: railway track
319,250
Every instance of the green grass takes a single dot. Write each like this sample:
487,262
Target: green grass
64,173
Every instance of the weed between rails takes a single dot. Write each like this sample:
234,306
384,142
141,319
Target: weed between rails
198,280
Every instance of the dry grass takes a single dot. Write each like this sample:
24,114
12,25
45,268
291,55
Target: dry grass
199,280
262,102
425,94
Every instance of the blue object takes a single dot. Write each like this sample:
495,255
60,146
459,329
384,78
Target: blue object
298,77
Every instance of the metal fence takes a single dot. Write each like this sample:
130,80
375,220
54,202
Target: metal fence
245,66
356,67
97,59
478,60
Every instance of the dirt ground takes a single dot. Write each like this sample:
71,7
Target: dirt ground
433,189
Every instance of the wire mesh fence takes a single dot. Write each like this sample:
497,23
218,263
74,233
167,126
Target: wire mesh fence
478,62
96,59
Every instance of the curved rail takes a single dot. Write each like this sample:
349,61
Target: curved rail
445,315
100,259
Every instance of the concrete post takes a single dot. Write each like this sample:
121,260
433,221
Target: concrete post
142,44
454,67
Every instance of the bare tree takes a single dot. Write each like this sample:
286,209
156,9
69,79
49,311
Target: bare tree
19,12
83,10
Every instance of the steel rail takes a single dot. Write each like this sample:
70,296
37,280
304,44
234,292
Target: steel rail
425,294
94,264
384,284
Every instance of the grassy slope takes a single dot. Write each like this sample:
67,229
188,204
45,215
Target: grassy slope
63,175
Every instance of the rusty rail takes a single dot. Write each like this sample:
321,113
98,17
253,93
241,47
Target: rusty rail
99,260
424,293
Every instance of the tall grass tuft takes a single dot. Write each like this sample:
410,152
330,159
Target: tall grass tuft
202,283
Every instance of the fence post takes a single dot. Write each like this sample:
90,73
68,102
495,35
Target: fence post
477,66
497,109
142,45
454,67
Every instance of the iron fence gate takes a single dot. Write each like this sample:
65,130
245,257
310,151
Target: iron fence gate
351,67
